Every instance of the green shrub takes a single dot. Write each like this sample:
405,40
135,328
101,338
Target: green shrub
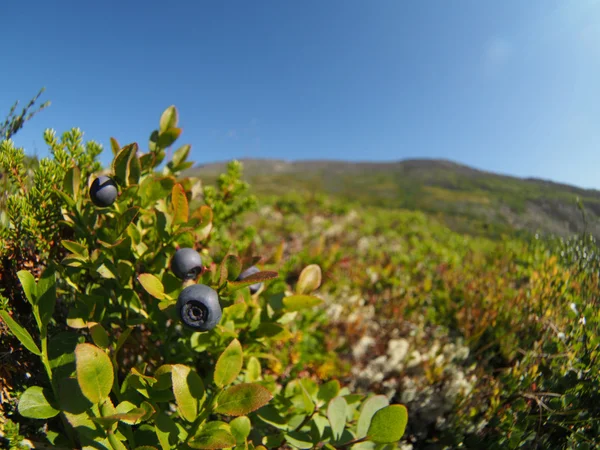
122,371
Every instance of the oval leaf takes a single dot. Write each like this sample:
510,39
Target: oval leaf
168,119
242,399
252,279
328,390
336,413
152,285
368,410
99,335
168,137
35,404
94,370
214,435
75,247
28,283
180,205
229,365
309,280
181,154
388,424
240,428
20,333
188,390
300,302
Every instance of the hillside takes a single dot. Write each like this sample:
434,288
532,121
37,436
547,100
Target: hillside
466,199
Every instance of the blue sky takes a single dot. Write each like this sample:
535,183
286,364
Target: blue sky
510,86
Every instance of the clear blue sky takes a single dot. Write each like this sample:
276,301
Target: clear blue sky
511,86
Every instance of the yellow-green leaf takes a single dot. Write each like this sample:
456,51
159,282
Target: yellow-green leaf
388,424
188,390
229,364
368,410
152,285
309,280
242,399
35,403
28,283
94,371
168,119
20,333
213,435
300,302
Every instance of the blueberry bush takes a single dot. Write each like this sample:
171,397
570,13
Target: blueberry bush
135,301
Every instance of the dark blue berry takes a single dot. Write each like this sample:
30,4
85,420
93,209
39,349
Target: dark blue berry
186,264
199,308
103,191
245,274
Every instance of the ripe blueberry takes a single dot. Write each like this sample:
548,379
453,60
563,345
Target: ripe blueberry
199,308
186,263
245,274
103,191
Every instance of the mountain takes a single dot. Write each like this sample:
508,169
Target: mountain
466,199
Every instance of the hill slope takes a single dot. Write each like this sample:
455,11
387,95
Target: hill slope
467,199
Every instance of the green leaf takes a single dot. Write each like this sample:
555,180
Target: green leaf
180,205
180,154
168,137
130,417
233,267
240,428
20,333
328,390
153,189
299,439
300,302
134,169
213,435
28,283
127,219
168,119
46,295
253,369
188,390
274,331
114,145
166,430
35,403
71,182
309,280
115,443
388,424
120,165
94,372
229,364
76,248
252,279
152,285
270,415
242,399
99,335
368,410
336,413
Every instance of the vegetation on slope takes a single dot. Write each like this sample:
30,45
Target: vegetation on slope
467,200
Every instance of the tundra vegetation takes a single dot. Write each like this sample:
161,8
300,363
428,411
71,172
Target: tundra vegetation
337,325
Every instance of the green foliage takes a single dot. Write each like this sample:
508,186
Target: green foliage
122,372
13,123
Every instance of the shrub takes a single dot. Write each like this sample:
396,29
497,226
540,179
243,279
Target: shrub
122,370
